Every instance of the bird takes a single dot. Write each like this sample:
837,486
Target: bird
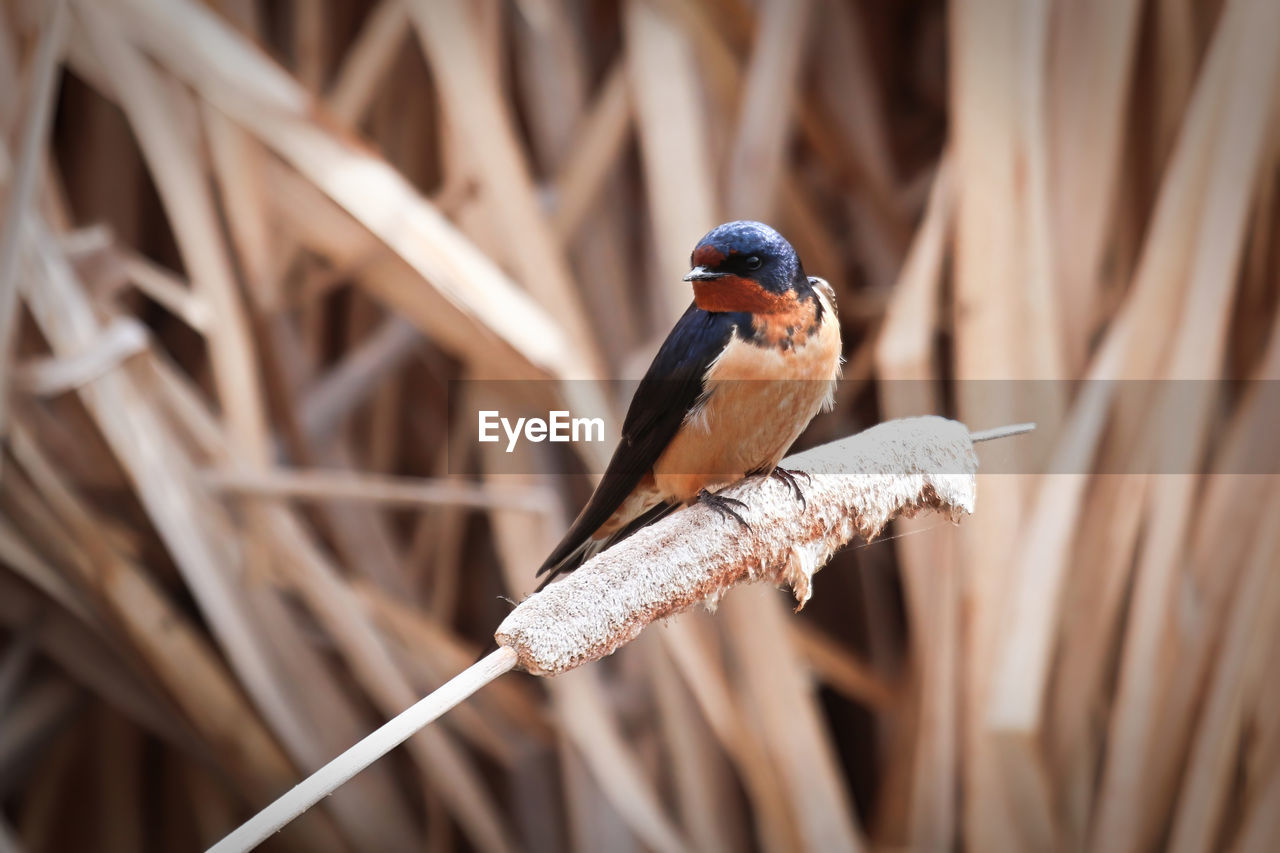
745,369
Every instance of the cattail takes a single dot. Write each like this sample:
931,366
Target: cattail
855,485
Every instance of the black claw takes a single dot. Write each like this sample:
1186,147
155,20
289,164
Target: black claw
789,477
723,505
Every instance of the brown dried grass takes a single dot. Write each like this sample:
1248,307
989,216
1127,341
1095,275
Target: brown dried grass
229,547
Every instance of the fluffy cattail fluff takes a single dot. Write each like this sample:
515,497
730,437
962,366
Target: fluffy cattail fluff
854,486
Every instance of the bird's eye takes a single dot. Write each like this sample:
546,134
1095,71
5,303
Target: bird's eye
753,262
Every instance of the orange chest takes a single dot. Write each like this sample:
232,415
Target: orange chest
781,347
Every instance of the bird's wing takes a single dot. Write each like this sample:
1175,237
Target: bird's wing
669,390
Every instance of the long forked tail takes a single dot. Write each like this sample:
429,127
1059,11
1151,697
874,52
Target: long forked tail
576,548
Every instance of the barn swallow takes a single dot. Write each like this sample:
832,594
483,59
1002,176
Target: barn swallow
753,359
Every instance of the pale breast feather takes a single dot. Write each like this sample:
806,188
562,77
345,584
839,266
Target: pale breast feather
757,401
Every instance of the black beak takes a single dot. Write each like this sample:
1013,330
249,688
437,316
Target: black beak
703,274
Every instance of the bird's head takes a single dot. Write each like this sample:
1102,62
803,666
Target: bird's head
746,266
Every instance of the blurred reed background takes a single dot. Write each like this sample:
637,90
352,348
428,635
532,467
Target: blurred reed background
248,244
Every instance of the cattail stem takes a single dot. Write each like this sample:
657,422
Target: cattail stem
1000,432
368,750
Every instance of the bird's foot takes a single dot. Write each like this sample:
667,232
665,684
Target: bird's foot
789,477
723,505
